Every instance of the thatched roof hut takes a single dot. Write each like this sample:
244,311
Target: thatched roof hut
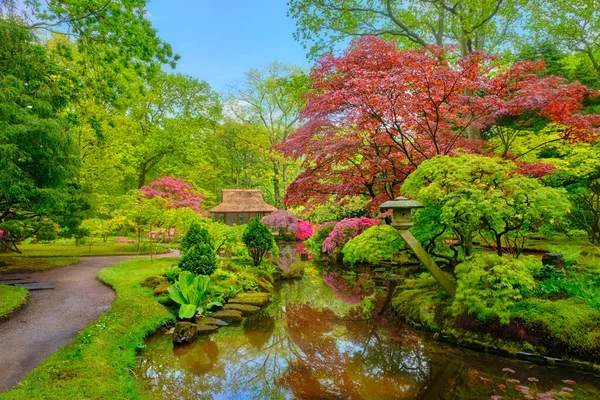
239,205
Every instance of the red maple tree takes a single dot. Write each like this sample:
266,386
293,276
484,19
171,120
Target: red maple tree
376,112
178,193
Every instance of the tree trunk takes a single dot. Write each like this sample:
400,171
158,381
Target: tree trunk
276,188
499,245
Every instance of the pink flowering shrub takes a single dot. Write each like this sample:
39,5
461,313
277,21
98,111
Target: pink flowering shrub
282,222
345,230
305,230
165,235
349,290
178,193
121,239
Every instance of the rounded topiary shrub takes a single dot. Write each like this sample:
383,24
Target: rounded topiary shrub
196,235
199,260
258,240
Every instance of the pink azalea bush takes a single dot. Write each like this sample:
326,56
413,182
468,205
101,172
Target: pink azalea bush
121,239
282,222
345,230
305,230
178,193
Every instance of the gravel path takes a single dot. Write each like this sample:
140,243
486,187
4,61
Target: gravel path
52,318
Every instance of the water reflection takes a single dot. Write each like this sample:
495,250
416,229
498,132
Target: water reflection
302,347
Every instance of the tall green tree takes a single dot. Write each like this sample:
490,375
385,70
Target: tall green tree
38,153
321,25
272,99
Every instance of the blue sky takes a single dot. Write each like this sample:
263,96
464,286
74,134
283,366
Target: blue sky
219,40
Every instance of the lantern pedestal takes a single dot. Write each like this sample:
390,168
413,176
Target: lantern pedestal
401,220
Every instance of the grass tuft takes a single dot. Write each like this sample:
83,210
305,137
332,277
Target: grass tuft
11,298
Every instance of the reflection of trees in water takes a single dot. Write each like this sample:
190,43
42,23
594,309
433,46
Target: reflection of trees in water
298,348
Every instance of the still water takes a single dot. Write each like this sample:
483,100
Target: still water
302,347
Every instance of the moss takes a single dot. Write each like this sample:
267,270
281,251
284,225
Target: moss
420,303
11,298
154,281
567,326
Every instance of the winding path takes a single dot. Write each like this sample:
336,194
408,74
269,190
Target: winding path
52,318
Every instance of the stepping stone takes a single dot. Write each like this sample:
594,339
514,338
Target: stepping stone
15,282
253,299
13,277
35,286
205,328
245,309
228,315
211,321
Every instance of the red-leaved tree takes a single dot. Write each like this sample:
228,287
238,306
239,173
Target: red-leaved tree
178,193
376,112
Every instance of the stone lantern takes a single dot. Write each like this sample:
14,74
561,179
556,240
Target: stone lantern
401,220
402,211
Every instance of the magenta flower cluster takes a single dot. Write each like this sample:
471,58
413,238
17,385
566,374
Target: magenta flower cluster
178,193
305,230
345,230
163,234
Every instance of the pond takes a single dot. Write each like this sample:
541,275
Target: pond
301,347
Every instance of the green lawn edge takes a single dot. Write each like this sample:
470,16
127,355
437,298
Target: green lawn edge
11,299
98,363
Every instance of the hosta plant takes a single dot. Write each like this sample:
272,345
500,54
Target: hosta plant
191,293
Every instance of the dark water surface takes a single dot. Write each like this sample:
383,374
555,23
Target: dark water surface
302,347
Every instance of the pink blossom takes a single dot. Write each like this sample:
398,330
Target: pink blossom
346,290
345,230
305,230
121,239
178,193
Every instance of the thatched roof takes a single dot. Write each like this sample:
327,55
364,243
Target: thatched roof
243,201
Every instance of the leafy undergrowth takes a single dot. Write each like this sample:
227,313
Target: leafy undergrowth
11,298
97,363
35,264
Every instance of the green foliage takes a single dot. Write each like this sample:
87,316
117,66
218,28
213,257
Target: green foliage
377,243
199,260
488,285
315,243
195,236
190,292
418,300
171,273
469,193
258,240
568,326
336,210
579,286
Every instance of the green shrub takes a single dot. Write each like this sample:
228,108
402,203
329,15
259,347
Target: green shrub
377,243
581,287
199,260
315,243
258,240
488,285
191,293
47,233
196,235
171,273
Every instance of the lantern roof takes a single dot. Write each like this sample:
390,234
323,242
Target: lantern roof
401,203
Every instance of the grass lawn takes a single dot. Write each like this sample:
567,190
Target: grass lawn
36,264
97,364
11,298
69,249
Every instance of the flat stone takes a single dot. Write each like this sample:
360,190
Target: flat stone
228,315
35,286
554,259
200,319
205,328
184,332
245,309
14,277
253,299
